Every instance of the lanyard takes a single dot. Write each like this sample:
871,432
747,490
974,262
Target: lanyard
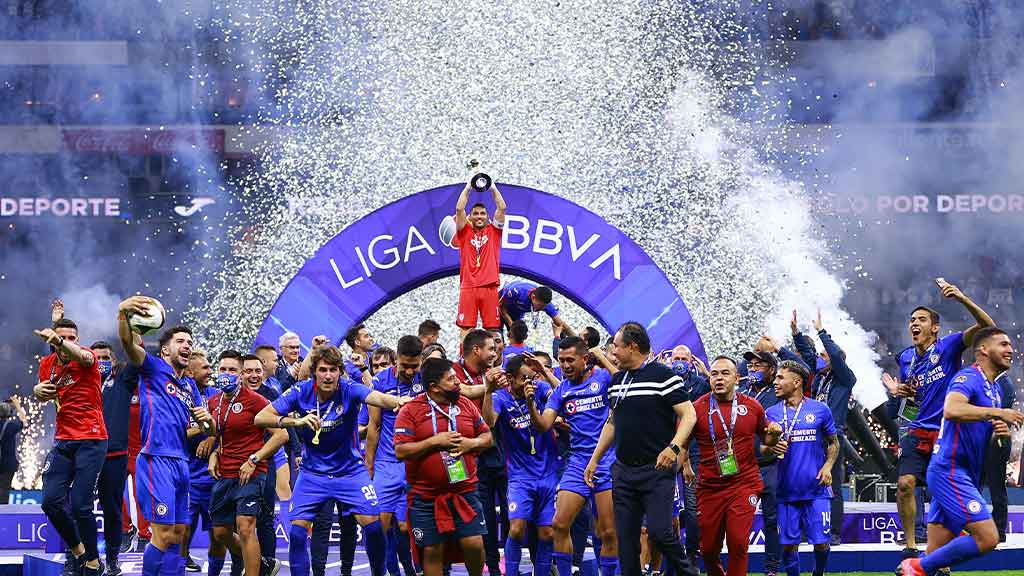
714,409
529,424
435,410
626,385
222,423
326,412
992,389
824,387
913,365
787,427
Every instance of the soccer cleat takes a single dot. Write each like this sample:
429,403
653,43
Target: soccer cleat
191,565
269,566
113,569
71,565
911,553
97,571
910,567
129,540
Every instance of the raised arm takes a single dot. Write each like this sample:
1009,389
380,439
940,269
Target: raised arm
598,354
499,206
132,348
981,318
460,208
557,322
68,347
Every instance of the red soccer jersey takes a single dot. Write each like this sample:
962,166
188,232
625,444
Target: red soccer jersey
750,422
239,436
80,416
483,246
427,475
466,376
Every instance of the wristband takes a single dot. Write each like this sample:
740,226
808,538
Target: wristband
60,344
254,459
674,448
280,421
364,368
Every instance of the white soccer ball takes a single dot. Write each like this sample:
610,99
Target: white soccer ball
152,321
446,231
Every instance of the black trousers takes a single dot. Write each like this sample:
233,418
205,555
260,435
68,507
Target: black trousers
111,493
492,487
70,474
319,544
265,532
639,491
5,486
690,512
995,474
838,477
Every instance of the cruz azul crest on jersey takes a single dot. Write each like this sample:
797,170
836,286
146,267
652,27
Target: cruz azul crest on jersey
741,410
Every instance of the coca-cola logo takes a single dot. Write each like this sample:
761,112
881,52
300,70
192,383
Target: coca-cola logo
142,141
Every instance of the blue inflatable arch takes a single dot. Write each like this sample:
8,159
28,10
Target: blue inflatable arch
546,238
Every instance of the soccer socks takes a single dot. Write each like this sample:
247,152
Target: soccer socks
961,549
609,566
405,553
375,545
174,562
298,550
563,563
237,565
820,561
542,563
390,554
513,555
216,565
791,562
152,560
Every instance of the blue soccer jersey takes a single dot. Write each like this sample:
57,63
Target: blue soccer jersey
515,296
337,452
513,350
388,382
199,467
806,429
165,403
929,373
585,409
528,453
962,446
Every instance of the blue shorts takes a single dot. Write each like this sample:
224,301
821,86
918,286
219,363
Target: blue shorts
916,453
956,501
812,518
280,458
572,478
162,488
354,492
230,499
532,500
424,525
199,489
389,483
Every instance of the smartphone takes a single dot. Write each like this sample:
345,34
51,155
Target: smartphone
941,282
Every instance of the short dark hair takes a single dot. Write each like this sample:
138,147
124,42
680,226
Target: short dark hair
328,353
477,205
477,337
542,354
985,333
796,368
265,347
735,364
428,349
428,328
635,333
433,369
65,323
519,331
352,334
409,346
591,336
497,334
543,293
931,313
515,364
574,342
248,357
100,345
230,353
385,352
170,332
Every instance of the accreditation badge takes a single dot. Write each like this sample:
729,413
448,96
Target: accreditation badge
456,468
727,465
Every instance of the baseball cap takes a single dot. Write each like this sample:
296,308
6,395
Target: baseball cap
766,357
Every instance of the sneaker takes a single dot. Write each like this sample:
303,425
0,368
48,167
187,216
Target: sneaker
71,565
113,568
911,553
942,572
910,567
97,571
191,565
269,566
140,544
129,539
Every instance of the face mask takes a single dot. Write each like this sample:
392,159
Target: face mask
453,395
681,367
226,383
106,366
755,378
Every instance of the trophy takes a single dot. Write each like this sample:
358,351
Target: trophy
480,181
